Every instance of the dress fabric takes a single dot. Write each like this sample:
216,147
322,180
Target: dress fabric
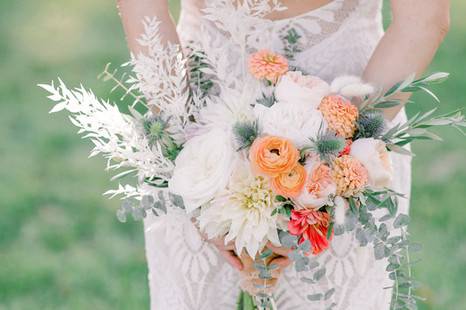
185,272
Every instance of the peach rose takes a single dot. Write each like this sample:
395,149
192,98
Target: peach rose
290,184
296,88
265,64
319,186
271,156
341,115
350,176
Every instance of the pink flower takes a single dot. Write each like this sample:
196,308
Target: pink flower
311,225
265,64
319,186
341,115
350,176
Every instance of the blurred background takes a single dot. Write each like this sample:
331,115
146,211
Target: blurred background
61,246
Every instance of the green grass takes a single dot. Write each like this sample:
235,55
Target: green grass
61,246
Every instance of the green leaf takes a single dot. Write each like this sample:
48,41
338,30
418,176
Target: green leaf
397,149
387,104
379,251
280,198
330,230
401,220
315,297
319,274
352,204
266,254
329,293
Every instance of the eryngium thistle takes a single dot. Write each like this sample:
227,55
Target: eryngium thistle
245,133
328,146
154,128
371,124
156,131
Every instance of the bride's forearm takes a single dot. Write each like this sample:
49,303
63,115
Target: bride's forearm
132,14
409,44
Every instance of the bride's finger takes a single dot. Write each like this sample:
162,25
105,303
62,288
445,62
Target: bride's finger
281,262
279,250
232,259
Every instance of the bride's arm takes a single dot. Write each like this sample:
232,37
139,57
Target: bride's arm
410,43
132,14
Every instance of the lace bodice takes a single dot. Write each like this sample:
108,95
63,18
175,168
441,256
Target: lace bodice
187,273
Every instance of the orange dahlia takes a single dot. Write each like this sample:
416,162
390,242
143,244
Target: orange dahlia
341,115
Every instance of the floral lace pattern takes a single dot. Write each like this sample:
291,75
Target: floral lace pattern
187,273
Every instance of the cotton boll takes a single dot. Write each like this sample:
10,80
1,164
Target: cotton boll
357,90
351,86
343,81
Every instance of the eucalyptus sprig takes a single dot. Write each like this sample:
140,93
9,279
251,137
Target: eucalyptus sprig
302,262
390,240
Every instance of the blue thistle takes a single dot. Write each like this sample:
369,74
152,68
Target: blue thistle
245,133
371,124
327,146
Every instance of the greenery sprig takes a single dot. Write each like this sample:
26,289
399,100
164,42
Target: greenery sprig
389,237
386,100
120,83
417,128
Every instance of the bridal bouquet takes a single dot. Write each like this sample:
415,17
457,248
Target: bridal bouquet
288,159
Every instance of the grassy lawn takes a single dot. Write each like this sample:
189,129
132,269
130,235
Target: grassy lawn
61,246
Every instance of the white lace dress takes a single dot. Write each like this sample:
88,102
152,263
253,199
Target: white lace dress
187,273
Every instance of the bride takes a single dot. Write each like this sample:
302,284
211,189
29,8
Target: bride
335,37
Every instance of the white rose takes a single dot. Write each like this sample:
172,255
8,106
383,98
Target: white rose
297,122
376,159
202,168
294,87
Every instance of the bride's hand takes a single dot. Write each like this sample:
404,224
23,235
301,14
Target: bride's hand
282,261
228,252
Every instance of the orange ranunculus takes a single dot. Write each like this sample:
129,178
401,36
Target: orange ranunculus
267,65
290,184
340,114
272,156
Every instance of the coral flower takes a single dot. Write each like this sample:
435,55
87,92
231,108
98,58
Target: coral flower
341,115
290,184
267,65
272,156
349,175
311,225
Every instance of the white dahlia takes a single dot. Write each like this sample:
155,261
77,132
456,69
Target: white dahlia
242,212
